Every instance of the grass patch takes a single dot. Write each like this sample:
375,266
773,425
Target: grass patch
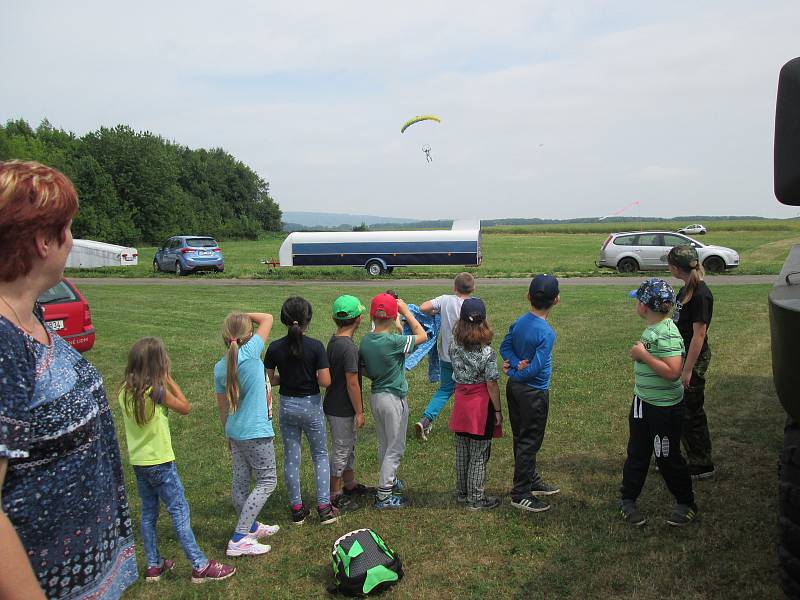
508,252
579,549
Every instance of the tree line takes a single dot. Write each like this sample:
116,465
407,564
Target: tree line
138,187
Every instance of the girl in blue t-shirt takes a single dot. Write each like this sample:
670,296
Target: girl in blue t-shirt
302,367
243,398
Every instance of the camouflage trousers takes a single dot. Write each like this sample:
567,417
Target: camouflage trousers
696,440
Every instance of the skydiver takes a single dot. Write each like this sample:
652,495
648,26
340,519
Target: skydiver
427,150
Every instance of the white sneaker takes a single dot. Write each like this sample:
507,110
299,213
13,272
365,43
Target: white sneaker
247,546
264,530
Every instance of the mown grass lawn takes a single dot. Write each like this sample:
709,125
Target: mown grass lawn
579,549
508,252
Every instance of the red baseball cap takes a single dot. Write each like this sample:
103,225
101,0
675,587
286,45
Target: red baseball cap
385,304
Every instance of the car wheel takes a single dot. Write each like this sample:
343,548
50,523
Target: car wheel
179,269
375,268
156,268
714,264
627,265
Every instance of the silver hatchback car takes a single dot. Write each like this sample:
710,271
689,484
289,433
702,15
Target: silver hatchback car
647,250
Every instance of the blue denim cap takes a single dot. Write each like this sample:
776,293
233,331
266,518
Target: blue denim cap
656,294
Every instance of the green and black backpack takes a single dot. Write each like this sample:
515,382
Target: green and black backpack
363,564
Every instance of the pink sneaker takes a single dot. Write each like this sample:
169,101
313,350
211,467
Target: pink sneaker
214,571
247,546
264,530
154,573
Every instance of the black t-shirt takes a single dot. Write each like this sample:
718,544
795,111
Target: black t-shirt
698,310
298,377
343,359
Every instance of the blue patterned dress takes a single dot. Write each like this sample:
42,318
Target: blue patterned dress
64,491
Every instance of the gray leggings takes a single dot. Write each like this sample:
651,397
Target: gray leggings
252,457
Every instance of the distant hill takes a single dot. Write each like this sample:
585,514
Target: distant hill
293,221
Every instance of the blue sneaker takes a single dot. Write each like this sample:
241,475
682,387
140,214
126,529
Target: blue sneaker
390,502
399,487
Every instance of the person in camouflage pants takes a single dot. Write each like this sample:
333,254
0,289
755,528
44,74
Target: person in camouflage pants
693,313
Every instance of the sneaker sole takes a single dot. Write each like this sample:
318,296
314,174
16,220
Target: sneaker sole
676,524
329,521
550,493
235,553
420,431
701,476
477,508
300,522
207,579
528,507
638,524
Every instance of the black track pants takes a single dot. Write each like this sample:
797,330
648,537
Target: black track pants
527,413
656,430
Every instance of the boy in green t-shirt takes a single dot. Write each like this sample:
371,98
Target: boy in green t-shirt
657,413
383,354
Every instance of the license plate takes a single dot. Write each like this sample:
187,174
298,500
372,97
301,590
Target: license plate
56,325
206,253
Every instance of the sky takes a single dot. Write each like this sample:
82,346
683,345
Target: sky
548,109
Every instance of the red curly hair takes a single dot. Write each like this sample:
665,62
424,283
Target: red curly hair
34,199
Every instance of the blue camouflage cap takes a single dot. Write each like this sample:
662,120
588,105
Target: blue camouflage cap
656,294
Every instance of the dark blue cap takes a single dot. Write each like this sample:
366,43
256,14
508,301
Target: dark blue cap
473,310
544,287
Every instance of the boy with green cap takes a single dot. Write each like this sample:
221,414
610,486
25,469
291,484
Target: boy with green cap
342,405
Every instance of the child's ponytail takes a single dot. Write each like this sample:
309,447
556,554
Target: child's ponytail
296,315
695,277
147,368
236,330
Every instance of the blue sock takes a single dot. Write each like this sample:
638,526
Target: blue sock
254,527
237,537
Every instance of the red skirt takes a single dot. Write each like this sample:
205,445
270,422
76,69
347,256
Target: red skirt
471,410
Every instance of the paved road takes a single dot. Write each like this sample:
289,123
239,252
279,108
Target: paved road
713,280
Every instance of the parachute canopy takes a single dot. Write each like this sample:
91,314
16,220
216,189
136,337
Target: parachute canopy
417,119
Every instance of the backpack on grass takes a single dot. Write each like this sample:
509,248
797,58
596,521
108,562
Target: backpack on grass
363,564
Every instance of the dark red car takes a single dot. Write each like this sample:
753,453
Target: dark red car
67,313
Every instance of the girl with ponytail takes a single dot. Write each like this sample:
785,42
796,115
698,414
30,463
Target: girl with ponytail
693,312
299,365
244,401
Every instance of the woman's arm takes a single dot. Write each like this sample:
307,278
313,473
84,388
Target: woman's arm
274,378
264,323
174,398
17,581
324,377
693,351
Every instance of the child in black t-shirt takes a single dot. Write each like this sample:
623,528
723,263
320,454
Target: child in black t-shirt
344,409
302,367
693,312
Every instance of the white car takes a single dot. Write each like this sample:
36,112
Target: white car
695,229
632,251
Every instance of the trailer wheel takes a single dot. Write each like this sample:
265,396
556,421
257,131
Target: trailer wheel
375,268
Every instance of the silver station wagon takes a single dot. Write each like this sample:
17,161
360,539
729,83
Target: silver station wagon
647,251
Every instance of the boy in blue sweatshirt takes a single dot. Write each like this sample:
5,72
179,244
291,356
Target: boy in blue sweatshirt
527,352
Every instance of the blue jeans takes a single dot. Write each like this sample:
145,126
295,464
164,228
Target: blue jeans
442,395
297,416
161,482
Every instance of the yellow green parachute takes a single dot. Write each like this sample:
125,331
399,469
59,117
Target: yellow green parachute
417,119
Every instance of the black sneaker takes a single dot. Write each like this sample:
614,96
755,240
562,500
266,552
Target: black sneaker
485,503
701,471
540,488
682,515
461,498
360,490
631,514
345,503
530,503
299,515
328,514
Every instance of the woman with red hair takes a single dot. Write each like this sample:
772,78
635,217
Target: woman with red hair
65,528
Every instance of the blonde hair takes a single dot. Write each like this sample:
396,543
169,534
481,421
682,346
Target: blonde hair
148,366
696,275
237,329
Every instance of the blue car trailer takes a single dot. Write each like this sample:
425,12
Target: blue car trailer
381,251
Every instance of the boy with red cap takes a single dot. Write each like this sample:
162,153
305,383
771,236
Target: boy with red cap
383,354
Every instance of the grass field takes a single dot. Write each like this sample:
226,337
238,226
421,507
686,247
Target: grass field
566,250
579,549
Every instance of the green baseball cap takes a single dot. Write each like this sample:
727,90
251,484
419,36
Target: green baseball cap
347,307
